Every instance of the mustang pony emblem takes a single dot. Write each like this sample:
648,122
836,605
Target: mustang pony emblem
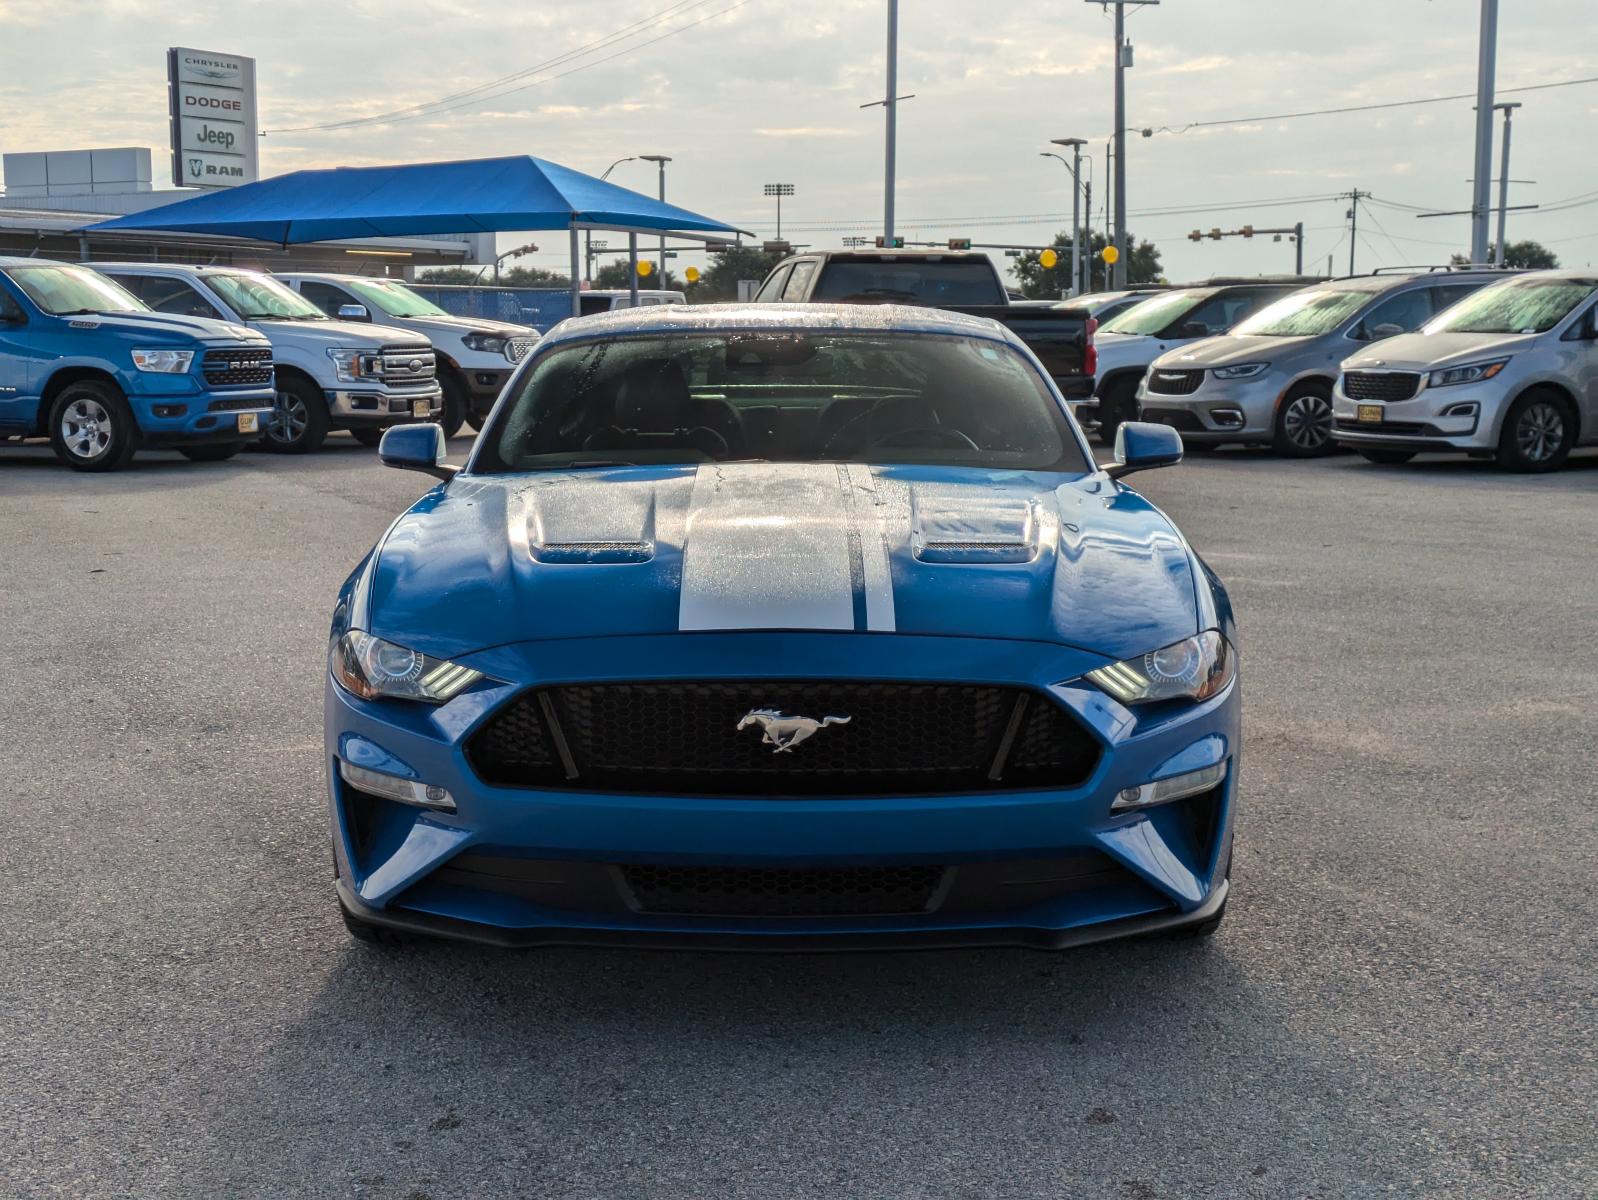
785,732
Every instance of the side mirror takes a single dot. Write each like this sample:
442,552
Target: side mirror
353,312
416,448
1385,330
1143,445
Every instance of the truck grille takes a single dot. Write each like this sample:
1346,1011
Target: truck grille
900,738
783,891
1380,385
1175,383
407,364
237,368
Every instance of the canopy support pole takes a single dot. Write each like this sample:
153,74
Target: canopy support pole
577,274
632,269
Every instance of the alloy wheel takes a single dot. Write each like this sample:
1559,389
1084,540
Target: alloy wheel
287,423
1540,432
86,428
1308,421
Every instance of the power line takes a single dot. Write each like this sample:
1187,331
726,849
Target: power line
1351,108
467,98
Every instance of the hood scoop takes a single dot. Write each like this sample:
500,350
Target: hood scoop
565,527
974,530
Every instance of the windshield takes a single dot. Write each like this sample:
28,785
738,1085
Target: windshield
395,299
923,282
1154,315
256,297
63,291
1527,305
1304,314
782,397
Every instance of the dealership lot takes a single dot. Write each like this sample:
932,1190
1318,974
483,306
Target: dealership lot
1401,1002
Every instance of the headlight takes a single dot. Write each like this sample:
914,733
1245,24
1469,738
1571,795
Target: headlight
164,362
1240,371
373,669
1193,669
1469,373
353,365
486,343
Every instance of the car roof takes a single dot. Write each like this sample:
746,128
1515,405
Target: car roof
716,318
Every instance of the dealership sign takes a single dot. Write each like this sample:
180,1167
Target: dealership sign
214,126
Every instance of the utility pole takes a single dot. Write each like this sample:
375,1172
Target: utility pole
1355,197
1123,59
1486,66
1503,184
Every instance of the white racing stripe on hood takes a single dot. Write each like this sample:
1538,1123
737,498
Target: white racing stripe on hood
767,546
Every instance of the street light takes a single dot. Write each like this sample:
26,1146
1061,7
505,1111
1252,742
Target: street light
660,160
779,190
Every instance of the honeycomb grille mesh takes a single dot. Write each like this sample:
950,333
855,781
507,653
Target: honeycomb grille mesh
900,738
783,892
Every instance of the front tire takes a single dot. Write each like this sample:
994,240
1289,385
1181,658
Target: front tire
1117,403
216,452
92,428
1388,458
1304,422
299,421
1538,433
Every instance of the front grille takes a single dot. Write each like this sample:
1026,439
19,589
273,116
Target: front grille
1380,385
516,349
783,891
237,368
1176,418
684,737
407,364
1175,383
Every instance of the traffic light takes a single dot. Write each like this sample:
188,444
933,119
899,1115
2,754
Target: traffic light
959,243
1195,236
890,243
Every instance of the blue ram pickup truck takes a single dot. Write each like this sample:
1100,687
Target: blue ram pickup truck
89,366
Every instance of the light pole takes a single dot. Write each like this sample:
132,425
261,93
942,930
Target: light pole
661,160
1076,145
1486,66
588,234
1503,184
1123,59
779,190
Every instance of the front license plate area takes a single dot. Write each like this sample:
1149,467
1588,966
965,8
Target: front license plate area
249,422
420,408
1370,414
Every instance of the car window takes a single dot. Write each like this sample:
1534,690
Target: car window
799,282
772,288
176,296
850,396
1406,311
325,296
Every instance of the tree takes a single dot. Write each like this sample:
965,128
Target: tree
1527,255
720,280
618,274
1038,283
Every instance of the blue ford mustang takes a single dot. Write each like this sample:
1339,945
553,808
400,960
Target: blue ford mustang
782,628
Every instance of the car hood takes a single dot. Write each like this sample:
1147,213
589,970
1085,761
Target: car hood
1427,351
167,325
355,335
1228,350
497,559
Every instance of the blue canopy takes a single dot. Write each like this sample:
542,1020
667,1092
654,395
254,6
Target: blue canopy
484,195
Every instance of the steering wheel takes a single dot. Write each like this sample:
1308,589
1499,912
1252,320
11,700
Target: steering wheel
939,435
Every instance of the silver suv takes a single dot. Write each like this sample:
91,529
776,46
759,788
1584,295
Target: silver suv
1509,373
1270,379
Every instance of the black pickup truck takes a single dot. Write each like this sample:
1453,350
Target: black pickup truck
960,281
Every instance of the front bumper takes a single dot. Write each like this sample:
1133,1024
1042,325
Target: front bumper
1154,869
1453,418
357,406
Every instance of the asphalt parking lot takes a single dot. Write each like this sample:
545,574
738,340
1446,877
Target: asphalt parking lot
1402,1001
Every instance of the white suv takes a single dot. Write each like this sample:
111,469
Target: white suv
475,356
330,374
1510,372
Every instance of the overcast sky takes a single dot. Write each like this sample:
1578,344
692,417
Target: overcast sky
770,91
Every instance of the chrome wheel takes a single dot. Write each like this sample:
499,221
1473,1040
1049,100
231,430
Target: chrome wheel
1540,432
1307,421
86,428
289,418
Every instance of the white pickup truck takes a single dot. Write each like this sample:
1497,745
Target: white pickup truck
330,374
475,356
